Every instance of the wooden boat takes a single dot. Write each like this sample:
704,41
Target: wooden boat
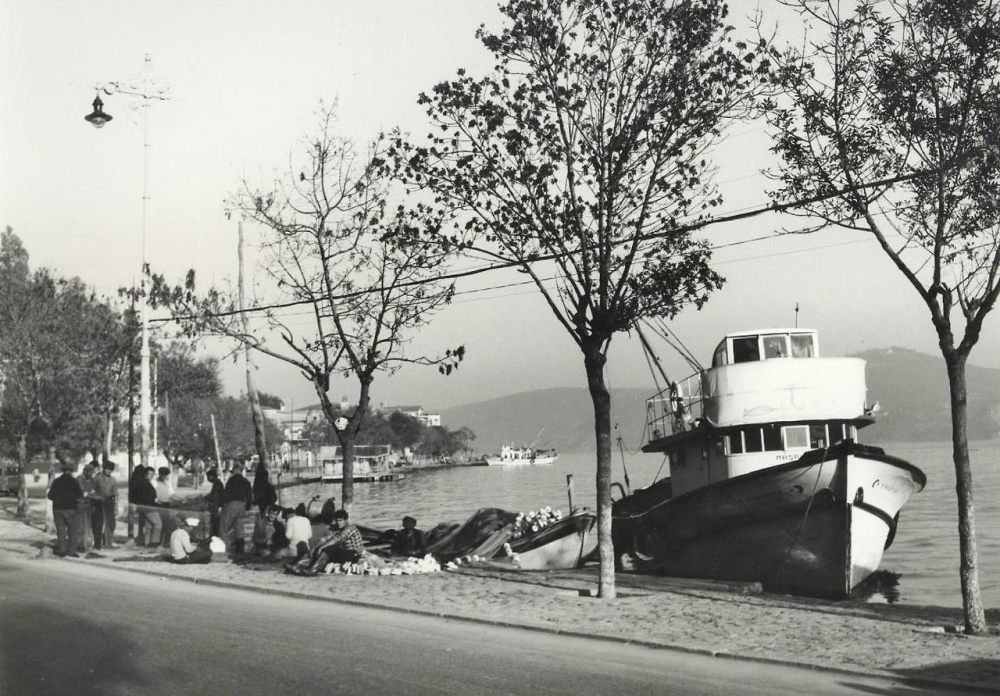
562,545
767,480
521,456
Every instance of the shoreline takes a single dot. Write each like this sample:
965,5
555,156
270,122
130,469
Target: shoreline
918,644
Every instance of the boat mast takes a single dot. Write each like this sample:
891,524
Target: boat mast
653,355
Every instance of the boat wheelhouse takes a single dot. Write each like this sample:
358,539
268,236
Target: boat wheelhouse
767,481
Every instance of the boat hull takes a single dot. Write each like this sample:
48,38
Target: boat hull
562,546
814,527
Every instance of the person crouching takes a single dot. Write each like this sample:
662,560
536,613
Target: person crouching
342,544
182,550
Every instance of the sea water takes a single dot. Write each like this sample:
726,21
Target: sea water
924,553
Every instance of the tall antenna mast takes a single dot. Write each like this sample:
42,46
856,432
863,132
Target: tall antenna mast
796,315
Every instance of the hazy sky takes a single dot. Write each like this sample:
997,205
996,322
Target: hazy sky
246,78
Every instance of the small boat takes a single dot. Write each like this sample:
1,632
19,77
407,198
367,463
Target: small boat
521,456
767,480
562,545
371,463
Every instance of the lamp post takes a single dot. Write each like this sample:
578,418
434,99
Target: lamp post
146,88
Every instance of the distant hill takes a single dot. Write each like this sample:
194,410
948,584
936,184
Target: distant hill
911,388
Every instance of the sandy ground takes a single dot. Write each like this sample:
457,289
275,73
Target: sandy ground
914,642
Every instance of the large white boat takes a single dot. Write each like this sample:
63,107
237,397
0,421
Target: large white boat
521,456
767,480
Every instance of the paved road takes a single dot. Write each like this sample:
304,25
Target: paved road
73,628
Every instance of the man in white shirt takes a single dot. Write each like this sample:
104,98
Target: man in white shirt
299,533
181,548
164,489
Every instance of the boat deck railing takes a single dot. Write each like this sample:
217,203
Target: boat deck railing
676,409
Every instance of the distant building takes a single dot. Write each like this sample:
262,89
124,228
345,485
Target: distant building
428,419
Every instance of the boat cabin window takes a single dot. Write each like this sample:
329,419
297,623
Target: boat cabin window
719,357
796,436
746,349
734,442
817,436
802,346
754,439
772,438
775,346
766,347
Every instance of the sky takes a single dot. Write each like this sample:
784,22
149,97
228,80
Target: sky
245,80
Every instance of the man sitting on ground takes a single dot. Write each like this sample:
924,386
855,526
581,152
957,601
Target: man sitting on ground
299,533
343,544
182,550
409,541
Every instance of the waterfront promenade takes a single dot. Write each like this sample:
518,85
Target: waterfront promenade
911,643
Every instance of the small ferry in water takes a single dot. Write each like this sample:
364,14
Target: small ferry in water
521,456
767,480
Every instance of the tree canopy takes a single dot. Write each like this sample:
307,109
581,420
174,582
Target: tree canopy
580,156
907,92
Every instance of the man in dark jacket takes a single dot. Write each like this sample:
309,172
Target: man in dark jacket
214,499
237,498
65,494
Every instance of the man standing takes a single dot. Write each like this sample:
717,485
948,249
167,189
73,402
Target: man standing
65,494
107,486
164,489
237,498
89,511
214,499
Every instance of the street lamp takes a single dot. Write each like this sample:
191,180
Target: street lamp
98,118
147,88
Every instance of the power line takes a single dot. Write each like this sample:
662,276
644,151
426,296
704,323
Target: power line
740,214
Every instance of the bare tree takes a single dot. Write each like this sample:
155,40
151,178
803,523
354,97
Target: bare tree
908,87
333,248
587,146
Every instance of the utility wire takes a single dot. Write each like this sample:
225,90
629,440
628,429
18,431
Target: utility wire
743,214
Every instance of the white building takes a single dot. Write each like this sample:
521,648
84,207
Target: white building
428,419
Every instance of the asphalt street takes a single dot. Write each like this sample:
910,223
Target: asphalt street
74,628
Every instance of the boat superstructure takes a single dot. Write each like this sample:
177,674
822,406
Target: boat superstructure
767,480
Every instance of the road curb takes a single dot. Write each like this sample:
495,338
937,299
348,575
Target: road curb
721,654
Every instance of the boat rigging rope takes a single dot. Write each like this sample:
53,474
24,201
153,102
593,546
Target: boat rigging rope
674,341
621,450
802,524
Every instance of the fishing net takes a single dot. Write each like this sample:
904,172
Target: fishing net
483,534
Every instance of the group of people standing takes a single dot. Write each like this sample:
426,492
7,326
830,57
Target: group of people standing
78,501
150,490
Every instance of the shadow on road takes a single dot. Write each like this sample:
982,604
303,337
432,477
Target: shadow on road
46,651
968,671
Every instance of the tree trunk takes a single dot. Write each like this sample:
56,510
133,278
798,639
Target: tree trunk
594,361
972,602
259,441
346,438
109,435
22,476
